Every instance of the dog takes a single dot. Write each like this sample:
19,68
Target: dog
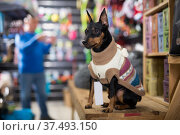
111,67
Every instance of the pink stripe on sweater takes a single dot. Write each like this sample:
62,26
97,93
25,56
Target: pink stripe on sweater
125,67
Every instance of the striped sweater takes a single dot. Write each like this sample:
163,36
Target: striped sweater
111,62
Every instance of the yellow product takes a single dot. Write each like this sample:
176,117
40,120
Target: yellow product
161,68
153,87
151,67
160,86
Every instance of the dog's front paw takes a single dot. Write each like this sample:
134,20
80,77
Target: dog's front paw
105,105
88,106
108,110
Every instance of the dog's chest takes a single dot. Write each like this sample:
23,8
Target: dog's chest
115,63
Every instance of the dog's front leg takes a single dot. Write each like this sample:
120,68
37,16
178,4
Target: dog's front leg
112,92
91,94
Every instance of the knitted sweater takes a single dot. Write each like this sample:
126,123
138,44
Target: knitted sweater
111,62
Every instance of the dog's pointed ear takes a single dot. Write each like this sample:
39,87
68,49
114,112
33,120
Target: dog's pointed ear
103,18
90,19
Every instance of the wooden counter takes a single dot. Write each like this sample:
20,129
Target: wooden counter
146,109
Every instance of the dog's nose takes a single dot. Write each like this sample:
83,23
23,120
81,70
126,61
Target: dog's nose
84,42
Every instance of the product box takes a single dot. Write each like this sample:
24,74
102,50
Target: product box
148,44
152,67
148,25
160,86
166,90
160,43
155,24
160,23
160,68
166,41
153,87
154,43
165,20
166,70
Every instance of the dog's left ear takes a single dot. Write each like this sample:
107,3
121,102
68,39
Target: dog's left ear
103,18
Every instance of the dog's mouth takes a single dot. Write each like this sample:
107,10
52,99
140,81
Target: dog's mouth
89,46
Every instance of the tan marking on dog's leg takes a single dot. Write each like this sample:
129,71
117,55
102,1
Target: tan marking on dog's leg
91,94
106,104
110,108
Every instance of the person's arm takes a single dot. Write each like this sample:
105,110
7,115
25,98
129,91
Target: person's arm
24,45
46,47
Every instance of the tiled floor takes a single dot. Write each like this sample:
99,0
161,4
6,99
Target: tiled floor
57,110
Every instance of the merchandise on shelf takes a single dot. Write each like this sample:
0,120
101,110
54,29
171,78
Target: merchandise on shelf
151,67
154,43
166,70
160,42
155,24
148,44
148,25
166,90
165,20
154,76
160,23
166,41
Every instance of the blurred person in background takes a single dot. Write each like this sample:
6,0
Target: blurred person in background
31,48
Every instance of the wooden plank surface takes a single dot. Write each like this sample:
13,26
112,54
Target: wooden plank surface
174,77
157,8
174,59
174,108
146,109
158,99
157,54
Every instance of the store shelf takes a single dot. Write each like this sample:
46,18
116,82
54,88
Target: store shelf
157,54
174,59
157,8
158,99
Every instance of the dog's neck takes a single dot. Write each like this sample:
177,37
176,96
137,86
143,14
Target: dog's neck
106,41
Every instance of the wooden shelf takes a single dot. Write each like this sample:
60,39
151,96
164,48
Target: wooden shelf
174,59
158,99
157,54
147,109
157,8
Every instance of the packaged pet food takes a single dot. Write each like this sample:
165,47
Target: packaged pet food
160,43
165,20
148,44
154,43
166,90
160,23
166,41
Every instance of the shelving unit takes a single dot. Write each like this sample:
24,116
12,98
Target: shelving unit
173,61
146,55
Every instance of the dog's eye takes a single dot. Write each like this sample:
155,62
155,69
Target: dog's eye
96,31
86,31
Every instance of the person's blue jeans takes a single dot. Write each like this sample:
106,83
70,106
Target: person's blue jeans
37,80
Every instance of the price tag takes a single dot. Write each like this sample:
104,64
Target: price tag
98,93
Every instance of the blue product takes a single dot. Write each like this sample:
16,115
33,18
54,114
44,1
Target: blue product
160,22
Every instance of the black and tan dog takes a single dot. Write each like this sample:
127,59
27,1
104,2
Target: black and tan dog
111,67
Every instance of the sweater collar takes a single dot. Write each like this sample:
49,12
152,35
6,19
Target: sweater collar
101,58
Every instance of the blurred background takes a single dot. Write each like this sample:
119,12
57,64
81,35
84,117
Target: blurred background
67,59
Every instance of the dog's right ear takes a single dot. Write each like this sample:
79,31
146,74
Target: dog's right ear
90,19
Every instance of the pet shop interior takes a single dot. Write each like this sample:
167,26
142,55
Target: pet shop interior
54,84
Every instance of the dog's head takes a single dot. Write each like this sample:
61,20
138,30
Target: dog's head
95,32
